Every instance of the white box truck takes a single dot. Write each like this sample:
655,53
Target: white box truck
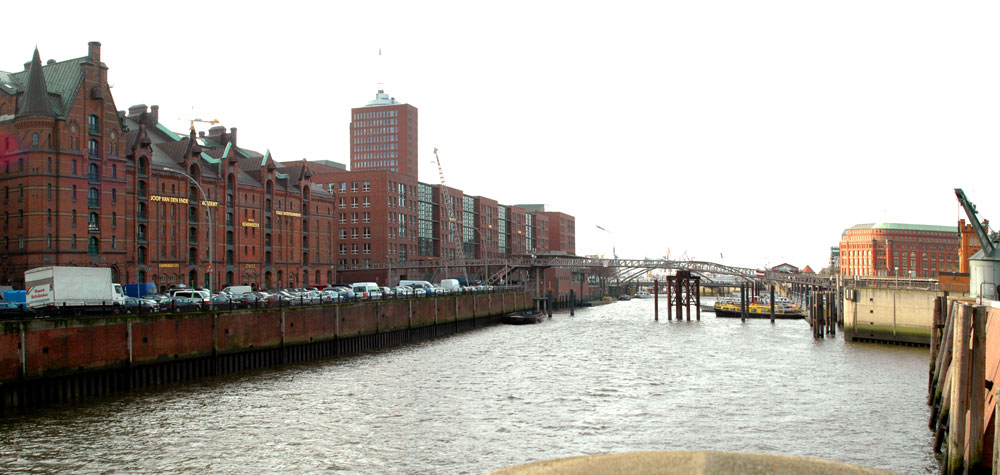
74,289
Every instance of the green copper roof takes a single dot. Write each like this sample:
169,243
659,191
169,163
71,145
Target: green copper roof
208,158
908,227
167,131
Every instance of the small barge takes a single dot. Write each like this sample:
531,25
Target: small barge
522,318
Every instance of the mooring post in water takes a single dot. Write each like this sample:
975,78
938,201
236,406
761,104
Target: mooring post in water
743,302
772,303
670,293
656,300
572,302
961,367
680,298
697,297
977,389
834,311
819,312
548,303
687,297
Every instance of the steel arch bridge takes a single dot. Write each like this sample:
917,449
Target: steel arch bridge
627,270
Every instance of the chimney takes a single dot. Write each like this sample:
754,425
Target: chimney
27,65
136,110
154,113
232,136
51,61
94,52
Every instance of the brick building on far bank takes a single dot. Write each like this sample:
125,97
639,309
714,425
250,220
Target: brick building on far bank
904,250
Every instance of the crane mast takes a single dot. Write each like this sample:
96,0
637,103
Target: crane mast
970,211
445,195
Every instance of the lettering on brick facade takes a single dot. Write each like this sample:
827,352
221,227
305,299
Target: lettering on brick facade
288,213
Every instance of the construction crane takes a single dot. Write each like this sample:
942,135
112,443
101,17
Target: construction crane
452,226
211,122
983,269
970,210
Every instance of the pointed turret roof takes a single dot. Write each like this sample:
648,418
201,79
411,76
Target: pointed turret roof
35,100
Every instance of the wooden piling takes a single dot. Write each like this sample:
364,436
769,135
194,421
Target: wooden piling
679,298
656,300
670,291
772,303
548,303
687,297
697,297
944,359
819,314
977,390
743,302
935,344
572,302
961,366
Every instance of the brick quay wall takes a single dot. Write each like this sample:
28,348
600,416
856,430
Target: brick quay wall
54,360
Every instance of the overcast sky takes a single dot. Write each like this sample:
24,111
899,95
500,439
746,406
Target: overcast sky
755,130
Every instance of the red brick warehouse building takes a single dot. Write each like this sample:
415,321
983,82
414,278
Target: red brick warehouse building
88,185
903,250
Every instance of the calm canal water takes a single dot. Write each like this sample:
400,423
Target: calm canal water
609,379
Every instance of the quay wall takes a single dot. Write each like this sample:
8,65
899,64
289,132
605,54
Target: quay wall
65,359
889,315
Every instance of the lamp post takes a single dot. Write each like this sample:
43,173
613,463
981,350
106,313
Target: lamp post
211,242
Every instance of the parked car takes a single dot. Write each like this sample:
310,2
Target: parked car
180,304
141,305
403,291
14,309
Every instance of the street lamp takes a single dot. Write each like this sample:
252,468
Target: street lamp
211,242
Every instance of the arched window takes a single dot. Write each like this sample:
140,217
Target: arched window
93,247
143,166
94,148
34,140
93,173
92,124
92,222
141,234
94,198
141,189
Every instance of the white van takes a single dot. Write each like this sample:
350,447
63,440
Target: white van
366,290
204,296
450,286
237,289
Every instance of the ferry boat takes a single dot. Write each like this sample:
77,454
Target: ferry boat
783,309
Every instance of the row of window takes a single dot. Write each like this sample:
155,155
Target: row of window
382,114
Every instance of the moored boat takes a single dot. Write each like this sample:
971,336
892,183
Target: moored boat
642,294
782,310
522,318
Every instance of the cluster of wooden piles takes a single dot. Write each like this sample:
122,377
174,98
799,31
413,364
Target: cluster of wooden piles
960,385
